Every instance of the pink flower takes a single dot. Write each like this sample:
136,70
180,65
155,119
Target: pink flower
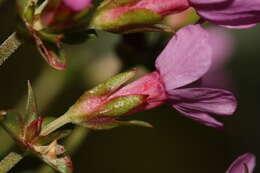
61,14
139,15
186,58
243,164
77,5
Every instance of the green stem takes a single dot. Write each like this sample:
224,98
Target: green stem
54,125
9,46
9,162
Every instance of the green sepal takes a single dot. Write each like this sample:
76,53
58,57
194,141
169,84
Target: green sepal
121,105
12,122
107,123
112,84
31,107
126,22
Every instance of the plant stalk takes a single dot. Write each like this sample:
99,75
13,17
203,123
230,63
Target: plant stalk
54,125
9,161
9,46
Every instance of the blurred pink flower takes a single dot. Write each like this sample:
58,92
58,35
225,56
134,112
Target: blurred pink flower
222,48
77,5
243,164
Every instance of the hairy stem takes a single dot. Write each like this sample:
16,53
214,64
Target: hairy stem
8,47
54,125
9,161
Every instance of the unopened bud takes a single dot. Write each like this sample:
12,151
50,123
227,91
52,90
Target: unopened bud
134,15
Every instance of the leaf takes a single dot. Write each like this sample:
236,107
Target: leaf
12,122
31,107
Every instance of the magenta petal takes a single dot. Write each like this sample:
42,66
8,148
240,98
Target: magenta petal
222,48
202,118
186,57
242,164
198,103
231,13
77,5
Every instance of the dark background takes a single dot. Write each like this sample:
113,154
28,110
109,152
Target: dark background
176,144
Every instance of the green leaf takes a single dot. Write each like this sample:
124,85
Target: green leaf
12,122
31,107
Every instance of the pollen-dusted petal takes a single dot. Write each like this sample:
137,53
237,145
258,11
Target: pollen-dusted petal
198,103
230,13
77,5
186,58
243,164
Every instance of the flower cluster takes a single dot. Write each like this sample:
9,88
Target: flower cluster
180,79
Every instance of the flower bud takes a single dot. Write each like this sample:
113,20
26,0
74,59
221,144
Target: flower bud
95,109
134,15
63,14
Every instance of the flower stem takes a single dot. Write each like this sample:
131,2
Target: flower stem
9,46
9,161
54,125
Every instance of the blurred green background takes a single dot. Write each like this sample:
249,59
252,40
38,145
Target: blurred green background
176,144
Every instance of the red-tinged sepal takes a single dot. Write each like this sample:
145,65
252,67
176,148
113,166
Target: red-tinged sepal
105,117
32,131
91,100
52,52
54,155
127,16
